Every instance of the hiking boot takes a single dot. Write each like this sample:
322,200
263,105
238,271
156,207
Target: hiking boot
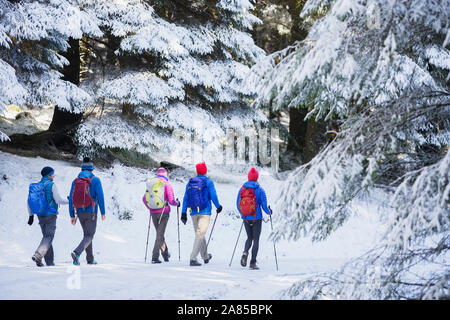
92,262
244,259
36,258
75,258
166,259
254,266
209,258
194,263
156,261
50,264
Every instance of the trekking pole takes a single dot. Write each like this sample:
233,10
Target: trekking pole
274,249
178,224
239,235
166,204
212,229
148,233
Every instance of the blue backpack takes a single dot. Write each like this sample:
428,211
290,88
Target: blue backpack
37,200
197,194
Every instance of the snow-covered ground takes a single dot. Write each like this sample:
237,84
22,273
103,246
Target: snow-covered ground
119,245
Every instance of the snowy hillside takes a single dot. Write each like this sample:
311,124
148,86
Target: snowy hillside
119,245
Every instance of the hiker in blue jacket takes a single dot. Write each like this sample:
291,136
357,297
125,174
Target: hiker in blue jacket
47,218
88,215
253,223
200,211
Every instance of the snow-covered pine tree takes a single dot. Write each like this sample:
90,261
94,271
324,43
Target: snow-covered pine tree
181,66
380,67
32,36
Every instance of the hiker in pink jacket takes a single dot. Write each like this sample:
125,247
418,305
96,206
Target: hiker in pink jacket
160,217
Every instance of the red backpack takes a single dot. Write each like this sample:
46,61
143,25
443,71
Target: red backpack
81,197
247,202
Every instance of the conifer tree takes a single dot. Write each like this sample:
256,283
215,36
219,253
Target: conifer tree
380,69
33,37
181,66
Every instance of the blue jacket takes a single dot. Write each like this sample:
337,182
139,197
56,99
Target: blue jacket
261,200
96,192
212,196
49,196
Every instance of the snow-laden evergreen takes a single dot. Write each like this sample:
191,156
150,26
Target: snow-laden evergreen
187,74
360,51
10,89
380,70
32,36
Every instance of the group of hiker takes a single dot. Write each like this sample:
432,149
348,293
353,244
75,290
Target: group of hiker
86,197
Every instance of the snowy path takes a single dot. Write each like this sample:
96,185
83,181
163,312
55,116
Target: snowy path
136,280
119,245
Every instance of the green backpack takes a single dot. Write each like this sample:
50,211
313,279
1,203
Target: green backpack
154,195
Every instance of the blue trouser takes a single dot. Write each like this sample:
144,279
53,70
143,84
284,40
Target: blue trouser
48,228
88,222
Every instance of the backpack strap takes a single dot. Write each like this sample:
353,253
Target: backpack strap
46,183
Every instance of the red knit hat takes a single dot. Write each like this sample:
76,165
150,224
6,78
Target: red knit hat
201,168
253,175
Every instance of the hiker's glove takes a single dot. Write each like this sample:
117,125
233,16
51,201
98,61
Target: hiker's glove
183,218
178,203
219,209
30,220
270,211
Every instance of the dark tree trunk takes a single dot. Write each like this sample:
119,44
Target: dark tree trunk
315,138
64,123
298,33
305,137
127,110
297,129
297,125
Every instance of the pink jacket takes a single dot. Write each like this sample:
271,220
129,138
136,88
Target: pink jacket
168,197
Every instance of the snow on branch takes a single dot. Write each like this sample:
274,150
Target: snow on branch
35,20
225,78
169,39
320,190
48,88
379,149
11,91
3,137
352,56
140,88
239,10
121,17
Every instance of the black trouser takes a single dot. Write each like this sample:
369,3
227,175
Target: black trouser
253,230
45,249
88,222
